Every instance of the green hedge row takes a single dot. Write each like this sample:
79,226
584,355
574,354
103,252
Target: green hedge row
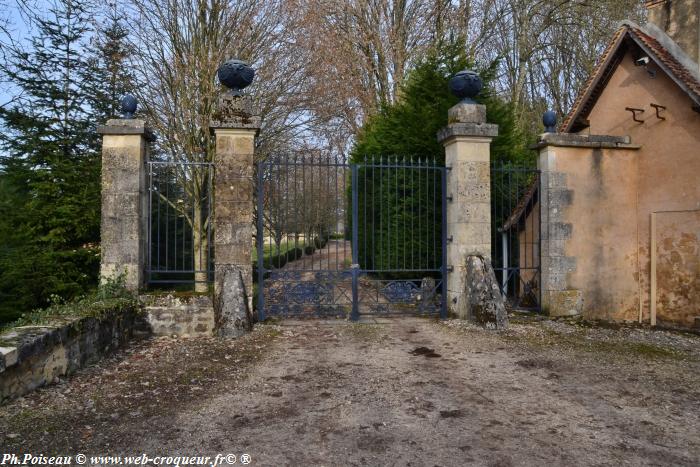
278,261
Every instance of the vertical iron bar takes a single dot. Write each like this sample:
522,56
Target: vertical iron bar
210,221
355,257
150,221
304,213
443,235
261,246
158,220
539,239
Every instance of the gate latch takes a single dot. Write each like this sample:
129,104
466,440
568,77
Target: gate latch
355,266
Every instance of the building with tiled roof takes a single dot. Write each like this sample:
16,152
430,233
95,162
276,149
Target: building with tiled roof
620,189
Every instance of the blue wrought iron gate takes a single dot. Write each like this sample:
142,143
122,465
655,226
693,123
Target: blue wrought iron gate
516,240
341,239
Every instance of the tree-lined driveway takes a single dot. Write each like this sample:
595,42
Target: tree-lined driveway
406,391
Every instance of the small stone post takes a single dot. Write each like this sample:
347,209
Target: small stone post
467,139
124,197
235,125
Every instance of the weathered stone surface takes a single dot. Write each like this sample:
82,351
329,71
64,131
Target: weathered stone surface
583,141
484,130
563,302
236,112
32,356
235,125
466,113
233,315
181,316
482,301
124,200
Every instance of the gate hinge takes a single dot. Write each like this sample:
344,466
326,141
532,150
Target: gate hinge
449,198
450,239
450,269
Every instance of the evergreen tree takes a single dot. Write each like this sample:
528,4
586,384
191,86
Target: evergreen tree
69,81
392,202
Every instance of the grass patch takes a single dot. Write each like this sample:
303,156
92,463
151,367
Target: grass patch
272,250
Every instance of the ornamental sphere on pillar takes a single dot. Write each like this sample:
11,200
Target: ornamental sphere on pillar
466,85
549,119
236,75
128,106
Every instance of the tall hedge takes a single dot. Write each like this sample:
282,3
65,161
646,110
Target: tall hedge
397,229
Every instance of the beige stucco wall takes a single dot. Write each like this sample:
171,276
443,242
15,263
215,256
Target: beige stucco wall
600,246
676,267
623,190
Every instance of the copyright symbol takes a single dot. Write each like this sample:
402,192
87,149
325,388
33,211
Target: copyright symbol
245,459
80,458
230,459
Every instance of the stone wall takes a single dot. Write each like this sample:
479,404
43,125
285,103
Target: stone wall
169,315
589,202
33,356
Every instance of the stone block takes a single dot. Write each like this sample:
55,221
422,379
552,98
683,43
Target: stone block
482,301
115,180
560,198
8,357
466,113
478,130
231,303
562,302
470,212
468,233
234,210
233,254
236,191
191,317
560,230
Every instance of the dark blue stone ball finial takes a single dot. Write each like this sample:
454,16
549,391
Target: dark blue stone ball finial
235,75
128,106
466,85
549,119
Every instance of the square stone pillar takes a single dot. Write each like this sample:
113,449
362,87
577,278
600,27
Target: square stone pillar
467,141
124,220
235,126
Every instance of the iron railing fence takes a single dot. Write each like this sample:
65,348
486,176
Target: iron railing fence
180,234
335,236
515,230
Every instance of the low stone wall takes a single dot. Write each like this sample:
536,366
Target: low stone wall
169,315
32,356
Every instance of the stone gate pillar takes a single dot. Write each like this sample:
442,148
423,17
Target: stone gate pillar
124,197
466,139
235,125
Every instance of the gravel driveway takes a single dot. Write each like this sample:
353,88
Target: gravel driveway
406,391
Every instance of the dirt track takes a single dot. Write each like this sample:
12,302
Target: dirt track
406,392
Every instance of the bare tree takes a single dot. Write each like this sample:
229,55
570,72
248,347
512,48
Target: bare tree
179,46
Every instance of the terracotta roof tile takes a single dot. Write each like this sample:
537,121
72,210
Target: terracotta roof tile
680,71
609,61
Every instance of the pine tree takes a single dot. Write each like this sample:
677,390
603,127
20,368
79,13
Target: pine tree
69,80
392,201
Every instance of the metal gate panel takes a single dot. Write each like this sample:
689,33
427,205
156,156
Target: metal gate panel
516,238
342,239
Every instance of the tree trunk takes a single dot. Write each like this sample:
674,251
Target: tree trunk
200,250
